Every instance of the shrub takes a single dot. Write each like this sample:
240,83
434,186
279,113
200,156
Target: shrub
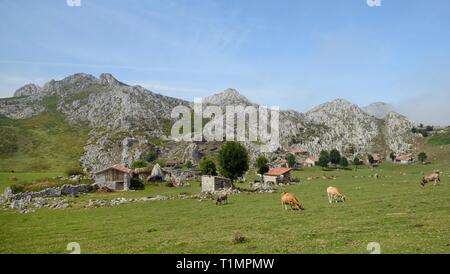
422,157
74,171
169,184
291,160
160,163
138,164
208,167
262,165
151,156
335,157
136,184
188,164
343,162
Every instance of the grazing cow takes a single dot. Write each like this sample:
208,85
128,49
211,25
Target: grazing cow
334,195
290,199
434,177
222,198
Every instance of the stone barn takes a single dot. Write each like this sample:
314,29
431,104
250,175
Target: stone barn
215,183
278,175
116,177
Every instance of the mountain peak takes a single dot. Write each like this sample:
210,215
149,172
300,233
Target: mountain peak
109,79
27,90
229,96
379,109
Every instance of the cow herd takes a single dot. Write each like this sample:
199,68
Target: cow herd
333,194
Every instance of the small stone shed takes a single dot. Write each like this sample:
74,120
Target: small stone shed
215,183
278,175
116,177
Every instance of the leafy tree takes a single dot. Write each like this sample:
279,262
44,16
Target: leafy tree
188,164
291,160
151,156
392,156
422,157
324,158
262,164
343,162
356,162
370,159
233,160
335,157
138,164
429,128
208,167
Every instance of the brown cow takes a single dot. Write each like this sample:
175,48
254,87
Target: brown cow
290,199
334,195
222,198
434,177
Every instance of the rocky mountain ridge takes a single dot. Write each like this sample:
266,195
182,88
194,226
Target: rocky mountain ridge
123,121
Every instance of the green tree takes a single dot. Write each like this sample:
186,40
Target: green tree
370,159
324,159
422,157
335,157
262,164
343,162
392,156
188,164
291,160
138,164
233,160
356,162
208,167
151,156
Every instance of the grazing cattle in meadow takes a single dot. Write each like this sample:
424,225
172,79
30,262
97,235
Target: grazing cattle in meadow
334,195
291,200
434,177
222,198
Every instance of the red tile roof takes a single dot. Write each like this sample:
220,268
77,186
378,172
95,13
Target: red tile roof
404,157
278,171
118,167
314,159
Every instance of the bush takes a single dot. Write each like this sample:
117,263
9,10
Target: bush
151,156
343,162
160,163
136,184
138,164
335,157
74,171
188,164
262,165
208,167
169,184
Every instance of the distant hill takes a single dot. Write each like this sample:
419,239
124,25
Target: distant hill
379,109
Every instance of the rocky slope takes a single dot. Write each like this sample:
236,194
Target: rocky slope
126,122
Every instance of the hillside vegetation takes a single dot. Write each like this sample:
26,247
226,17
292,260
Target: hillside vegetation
45,142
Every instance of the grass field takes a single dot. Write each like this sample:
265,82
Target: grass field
392,210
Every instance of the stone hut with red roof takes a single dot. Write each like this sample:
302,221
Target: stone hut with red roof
116,177
278,175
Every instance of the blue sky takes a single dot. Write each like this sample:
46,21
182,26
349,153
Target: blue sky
294,54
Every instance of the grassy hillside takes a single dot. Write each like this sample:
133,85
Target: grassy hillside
45,142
